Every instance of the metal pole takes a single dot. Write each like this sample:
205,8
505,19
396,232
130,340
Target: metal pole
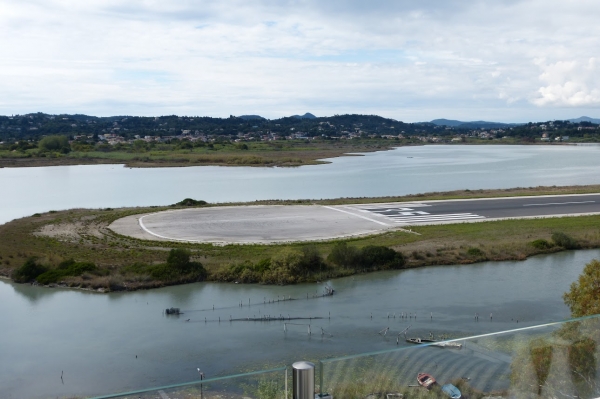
303,375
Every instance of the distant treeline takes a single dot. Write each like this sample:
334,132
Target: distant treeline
34,126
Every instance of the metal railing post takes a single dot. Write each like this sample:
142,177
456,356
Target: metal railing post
303,376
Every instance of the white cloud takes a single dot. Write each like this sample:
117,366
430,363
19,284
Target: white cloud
570,83
410,60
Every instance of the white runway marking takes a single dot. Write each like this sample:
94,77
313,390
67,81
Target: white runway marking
561,203
158,235
354,214
405,215
434,218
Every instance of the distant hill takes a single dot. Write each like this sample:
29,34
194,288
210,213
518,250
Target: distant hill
585,119
307,115
473,124
446,122
251,117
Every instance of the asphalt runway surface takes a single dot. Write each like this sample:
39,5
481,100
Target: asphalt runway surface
292,223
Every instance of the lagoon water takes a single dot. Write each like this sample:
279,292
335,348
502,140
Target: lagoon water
404,170
94,338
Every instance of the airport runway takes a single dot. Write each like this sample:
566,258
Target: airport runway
292,223
428,212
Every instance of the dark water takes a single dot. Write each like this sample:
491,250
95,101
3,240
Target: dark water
405,170
94,338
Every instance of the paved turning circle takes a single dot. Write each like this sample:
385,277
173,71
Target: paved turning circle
252,224
289,223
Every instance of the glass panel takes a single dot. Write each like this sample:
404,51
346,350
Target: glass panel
557,360
268,384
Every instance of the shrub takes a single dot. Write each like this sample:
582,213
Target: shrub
380,256
51,276
564,240
311,259
541,244
55,143
191,202
66,268
344,255
29,271
179,262
475,252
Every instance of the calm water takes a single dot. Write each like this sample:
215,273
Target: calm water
95,338
405,170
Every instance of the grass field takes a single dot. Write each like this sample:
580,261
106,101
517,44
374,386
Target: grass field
83,235
276,153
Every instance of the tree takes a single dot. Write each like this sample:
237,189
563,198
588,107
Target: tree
343,255
55,143
380,256
583,297
179,259
29,271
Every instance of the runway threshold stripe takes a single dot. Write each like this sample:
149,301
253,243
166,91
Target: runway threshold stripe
432,215
442,217
437,219
354,214
436,216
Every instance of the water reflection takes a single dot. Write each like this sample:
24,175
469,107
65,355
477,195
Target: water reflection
70,327
32,293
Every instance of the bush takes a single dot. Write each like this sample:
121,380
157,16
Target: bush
564,240
380,256
66,268
475,252
179,262
541,244
369,257
344,256
55,143
191,202
29,271
311,260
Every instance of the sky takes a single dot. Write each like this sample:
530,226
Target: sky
500,60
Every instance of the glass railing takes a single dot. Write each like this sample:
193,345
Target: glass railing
554,360
267,384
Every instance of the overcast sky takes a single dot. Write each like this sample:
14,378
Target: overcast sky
499,60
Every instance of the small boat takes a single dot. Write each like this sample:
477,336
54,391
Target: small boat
452,391
420,340
425,380
173,311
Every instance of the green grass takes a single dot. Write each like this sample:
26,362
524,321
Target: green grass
92,241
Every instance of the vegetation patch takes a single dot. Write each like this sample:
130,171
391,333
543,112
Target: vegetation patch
541,244
564,240
35,245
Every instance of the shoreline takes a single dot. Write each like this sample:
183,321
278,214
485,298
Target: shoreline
283,158
83,235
